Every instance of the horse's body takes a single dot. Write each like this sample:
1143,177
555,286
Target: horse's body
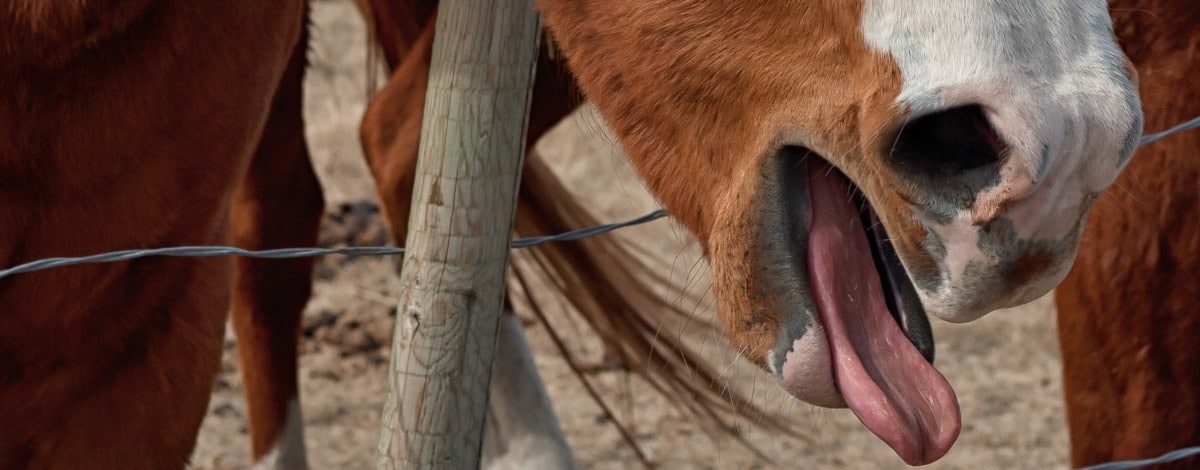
124,125
167,126
1128,312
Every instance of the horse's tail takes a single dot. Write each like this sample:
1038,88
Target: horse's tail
619,296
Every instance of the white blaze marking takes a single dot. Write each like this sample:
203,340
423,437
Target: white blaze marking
1051,81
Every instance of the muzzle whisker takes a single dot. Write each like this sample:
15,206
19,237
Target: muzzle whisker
896,140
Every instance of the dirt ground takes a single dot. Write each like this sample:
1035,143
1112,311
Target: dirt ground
1004,367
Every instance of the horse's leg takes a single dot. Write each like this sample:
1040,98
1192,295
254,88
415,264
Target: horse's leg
521,430
391,132
278,205
391,126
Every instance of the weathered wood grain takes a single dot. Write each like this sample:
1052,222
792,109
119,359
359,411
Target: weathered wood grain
472,144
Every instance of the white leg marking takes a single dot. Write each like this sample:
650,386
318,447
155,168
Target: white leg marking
521,431
288,453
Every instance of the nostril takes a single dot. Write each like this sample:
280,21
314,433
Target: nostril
947,143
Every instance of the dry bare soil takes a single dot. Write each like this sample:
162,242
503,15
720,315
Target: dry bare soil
1004,367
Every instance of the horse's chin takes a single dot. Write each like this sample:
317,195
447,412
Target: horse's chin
854,332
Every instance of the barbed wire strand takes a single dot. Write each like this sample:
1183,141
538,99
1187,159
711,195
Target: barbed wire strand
208,251
1185,126
202,251
1168,457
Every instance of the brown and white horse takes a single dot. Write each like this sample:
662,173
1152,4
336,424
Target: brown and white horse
974,137
846,166
1128,312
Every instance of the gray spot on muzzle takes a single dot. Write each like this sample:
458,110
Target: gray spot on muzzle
791,328
999,239
1008,255
937,251
1043,163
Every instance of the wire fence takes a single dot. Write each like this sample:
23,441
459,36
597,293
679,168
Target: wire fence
1183,126
1172,456
208,251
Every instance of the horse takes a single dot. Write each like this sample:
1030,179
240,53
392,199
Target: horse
1126,312
126,124
907,160
382,149
825,142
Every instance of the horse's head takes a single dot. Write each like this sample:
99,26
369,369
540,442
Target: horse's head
849,165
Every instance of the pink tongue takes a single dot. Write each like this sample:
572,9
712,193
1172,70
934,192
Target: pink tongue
892,389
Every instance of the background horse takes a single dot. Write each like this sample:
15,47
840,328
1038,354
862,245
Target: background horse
126,125
1127,313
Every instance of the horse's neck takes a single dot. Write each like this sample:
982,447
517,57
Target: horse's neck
1161,39
40,33
1156,30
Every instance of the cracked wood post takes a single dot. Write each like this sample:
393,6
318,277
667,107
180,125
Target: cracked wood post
472,147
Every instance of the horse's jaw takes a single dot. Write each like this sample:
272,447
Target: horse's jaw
855,334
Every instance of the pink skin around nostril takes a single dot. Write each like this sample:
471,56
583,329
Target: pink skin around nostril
990,136
1016,179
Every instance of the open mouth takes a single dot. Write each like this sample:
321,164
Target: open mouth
868,319
898,290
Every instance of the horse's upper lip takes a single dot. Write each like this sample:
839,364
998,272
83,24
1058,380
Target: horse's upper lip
864,324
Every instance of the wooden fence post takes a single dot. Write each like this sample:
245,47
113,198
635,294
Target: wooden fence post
472,147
